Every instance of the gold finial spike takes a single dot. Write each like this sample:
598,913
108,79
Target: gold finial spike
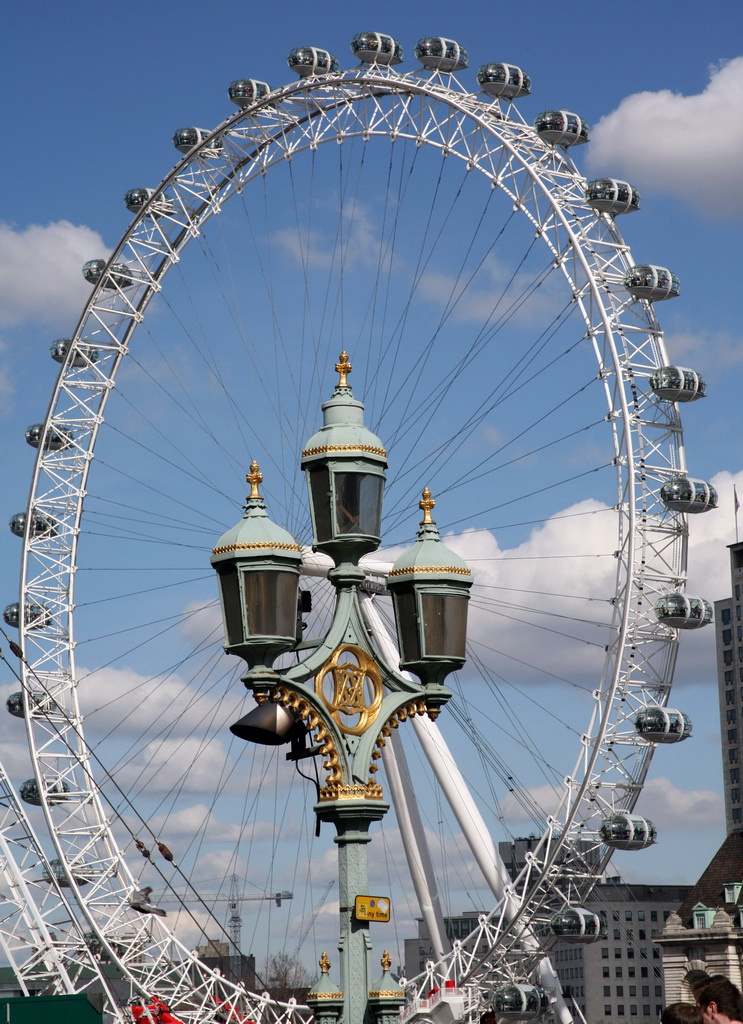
254,477
343,367
385,961
426,503
324,962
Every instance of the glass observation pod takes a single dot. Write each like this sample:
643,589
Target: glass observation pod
58,351
60,875
244,91
36,616
576,924
308,60
137,198
608,195
682,611
185,139
441,54
561,128
677,384
376,48
54,440
40,524
662,725
56,790
118,275
627,832
504,80
653,283
14,703
520,1002
682,494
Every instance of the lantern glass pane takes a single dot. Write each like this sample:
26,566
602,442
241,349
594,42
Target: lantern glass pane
319,480
232,606
406,614
445,624
358,503
271,600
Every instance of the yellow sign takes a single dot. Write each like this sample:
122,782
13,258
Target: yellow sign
372,908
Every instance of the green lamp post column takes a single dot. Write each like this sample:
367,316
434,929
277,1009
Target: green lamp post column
344,697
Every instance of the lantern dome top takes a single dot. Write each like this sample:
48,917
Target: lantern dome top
343,434
255,533
428,556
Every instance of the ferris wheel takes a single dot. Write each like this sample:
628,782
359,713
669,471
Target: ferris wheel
505,345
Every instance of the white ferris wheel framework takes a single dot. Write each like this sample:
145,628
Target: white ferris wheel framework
422,109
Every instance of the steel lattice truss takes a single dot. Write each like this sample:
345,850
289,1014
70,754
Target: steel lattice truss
545,187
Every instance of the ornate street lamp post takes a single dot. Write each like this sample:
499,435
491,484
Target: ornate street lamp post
345,695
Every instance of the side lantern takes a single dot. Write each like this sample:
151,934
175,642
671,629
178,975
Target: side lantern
430,592
258,568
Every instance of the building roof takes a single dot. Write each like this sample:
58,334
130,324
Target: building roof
725,867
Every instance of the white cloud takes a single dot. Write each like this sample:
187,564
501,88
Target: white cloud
672,808
40,273
690,146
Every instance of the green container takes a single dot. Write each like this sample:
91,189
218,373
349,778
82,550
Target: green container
47,1009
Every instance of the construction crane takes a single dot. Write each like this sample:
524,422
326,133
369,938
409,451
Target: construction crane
315,912
234,900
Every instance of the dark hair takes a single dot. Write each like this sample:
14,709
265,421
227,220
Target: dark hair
726,996
681,1013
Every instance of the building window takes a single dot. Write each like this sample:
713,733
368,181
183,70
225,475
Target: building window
645,1010
640,915
646,990
734,774
730,715
642,934
607,990
732,735
620,1009
604,952
725,616
729,676
604,972
656,953
630,953
633,1010
736,814
733,755
616,933
653,915
643,972
607,1010
730,696
630,935
740,633
618,953
737,593
727,657
617,972
620,990
628,915
735,797
727,636
633,990
659,990
630,972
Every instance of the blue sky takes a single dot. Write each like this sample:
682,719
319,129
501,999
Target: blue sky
94,93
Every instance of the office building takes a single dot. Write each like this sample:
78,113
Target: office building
729,639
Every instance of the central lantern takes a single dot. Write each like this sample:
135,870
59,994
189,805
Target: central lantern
344,463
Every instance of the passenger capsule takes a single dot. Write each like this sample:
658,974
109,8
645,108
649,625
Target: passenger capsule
441,54
561,128
54,440
118,276
14,703
575,924
59,349
244,91
36,616
652,283
504,80
40,524
56,790
627,832
607,195
662,725
682,494
136,198
376,48
185,139
308,60
682,611
61,877
520,1002
677,384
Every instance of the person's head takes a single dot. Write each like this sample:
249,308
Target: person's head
681,1013
720,1000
